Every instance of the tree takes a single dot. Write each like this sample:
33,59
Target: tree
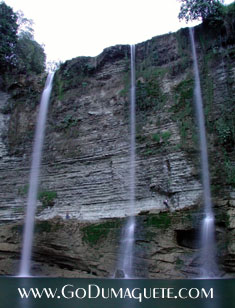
198,9
18,48
30,55
8,36
24,24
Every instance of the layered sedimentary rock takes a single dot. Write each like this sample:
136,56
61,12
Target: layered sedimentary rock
86,157
85,168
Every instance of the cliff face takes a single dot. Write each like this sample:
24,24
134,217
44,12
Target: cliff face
86,158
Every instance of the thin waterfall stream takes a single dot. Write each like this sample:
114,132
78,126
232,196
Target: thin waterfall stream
128,237
208,250
25,262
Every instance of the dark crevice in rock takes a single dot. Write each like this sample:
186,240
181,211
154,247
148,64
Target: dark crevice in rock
188,238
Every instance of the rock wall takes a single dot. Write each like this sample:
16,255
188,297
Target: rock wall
86,159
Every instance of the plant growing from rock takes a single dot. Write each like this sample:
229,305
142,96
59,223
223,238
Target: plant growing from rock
47,198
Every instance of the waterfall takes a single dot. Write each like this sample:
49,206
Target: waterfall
132,144
34,180
208,250
127,241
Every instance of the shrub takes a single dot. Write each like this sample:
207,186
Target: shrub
47,197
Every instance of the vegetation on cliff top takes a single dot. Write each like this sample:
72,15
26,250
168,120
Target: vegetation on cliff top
8,36
19,52
199,9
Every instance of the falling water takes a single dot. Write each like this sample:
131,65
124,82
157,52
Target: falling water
132,147
127,241
208,251
34,179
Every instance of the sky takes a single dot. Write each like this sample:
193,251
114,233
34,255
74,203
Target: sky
72,28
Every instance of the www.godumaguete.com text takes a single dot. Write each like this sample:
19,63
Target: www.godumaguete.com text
94,291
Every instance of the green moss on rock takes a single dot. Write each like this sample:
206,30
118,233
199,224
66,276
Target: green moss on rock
161,220
149,94
94,233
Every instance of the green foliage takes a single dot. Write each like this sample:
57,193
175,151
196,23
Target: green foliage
162,220
224,131
162,137
184,92
45,226
8,36
183,43
22,52
221,129
156,137
18,229
223,16
166,136
68,122
47,197
92,234
126,85
149,95
30,55
224,172
182,109
198,9
24,24
150,151
76,72
207,81
154,143
59,86
222,217
59,83
217,29
40,226
230,173
141,138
